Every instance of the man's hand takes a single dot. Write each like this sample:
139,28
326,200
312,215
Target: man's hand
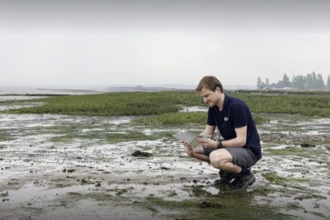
188,149
207,142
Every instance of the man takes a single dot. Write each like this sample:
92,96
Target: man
240,148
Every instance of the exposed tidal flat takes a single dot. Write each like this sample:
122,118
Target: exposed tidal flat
72,157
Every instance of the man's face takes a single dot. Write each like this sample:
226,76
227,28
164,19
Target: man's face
210,98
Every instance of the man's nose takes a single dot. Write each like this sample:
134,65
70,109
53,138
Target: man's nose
204,99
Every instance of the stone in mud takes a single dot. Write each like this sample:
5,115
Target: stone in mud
141,154
71,170
205,204
4,194
307,145
85,182
12,183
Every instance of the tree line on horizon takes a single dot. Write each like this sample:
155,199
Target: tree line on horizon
309,82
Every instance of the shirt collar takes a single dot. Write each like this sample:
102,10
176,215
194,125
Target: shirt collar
225,103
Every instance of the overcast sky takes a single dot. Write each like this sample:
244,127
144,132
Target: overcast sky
81,43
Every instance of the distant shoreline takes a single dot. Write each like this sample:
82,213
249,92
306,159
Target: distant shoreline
34,94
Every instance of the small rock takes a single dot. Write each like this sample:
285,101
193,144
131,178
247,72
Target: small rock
141,154
307,145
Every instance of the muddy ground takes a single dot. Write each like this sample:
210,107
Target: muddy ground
77,167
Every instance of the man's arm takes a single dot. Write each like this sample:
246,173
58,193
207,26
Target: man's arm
198,152
209,130
240,139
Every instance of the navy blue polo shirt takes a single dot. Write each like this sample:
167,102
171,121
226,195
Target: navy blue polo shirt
235,114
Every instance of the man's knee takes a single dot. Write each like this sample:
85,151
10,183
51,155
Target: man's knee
219,158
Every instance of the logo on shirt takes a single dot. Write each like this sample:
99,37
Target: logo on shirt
225,118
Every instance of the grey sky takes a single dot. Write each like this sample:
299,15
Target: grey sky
161,42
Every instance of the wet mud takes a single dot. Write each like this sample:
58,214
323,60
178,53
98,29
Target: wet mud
75,167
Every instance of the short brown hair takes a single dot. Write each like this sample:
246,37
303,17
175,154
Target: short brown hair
209,82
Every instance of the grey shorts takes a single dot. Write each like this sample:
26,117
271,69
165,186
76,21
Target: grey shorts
242,157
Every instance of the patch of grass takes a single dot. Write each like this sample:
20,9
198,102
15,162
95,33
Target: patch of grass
75,194
263,191
297,151
236,207
198,191
63,138
119,192
100,197
311,105
260,120
174,118
312,196
95,196
4,136
289,151
318,214
156,103
274,178
293,206
116,103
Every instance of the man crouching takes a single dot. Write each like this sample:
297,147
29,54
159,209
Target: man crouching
240,148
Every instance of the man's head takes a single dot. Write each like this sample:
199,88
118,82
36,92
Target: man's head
210,88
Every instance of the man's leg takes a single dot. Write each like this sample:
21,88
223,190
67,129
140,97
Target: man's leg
223,160
235,160
225,178
203,154
200,154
